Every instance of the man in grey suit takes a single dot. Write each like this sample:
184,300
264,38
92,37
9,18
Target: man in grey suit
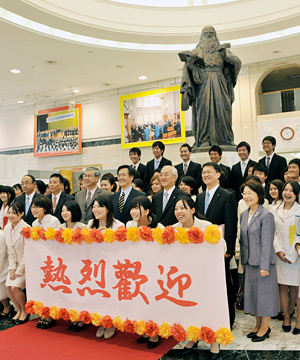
84,198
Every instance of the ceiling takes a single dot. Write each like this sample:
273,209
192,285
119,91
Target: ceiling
52,66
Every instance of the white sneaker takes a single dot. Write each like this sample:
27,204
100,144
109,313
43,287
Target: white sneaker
100,332
109,333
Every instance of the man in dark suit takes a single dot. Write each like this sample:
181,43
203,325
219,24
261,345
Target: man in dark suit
273,162
57,197
261,172
135,156
157,163
219,206
122,199
28,184
85,197
164,202
239,171
188,167
215,155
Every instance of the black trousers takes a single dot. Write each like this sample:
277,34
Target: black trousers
230,292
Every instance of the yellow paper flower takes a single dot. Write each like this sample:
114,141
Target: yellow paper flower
212,234
140,327
224,336
67,236
133,234
109,235
54,312
118,323
96,319
157,235
86,236
34,233
165,330
49,233
181,235
74,315
38,307
193,333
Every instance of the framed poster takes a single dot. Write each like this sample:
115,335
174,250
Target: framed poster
57,131
152,115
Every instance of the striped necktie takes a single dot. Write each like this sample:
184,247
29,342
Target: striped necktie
88,199
121,202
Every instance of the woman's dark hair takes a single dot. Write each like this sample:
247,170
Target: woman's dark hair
67,186
139,183
257,188
252,178
296,188
18,186
74,208
279,185
188,201
41,186
43,202
10,194
111,179
104,201
191,182
147,205
17,208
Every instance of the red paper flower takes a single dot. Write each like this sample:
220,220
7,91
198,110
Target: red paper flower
64,314
26,232
96,235
168,235
207,335
76,236
195,235
107,322
178,332
129,326
120,234
45,312
146,233
58,236
41,233
152,329
85,317
29,304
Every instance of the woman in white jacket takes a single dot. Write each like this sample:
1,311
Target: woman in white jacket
15,281
287,264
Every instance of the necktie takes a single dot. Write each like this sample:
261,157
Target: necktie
27,204
184,168
156,164
243,168
206,204
134,167
54,204
121,202
88,199
165,200
268,162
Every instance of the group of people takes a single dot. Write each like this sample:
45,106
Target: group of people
57,140
255,203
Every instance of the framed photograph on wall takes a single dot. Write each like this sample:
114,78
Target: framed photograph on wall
152,115
57,131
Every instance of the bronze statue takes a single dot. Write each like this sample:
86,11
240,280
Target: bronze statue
209,76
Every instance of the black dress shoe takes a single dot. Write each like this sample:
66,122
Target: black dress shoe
8,314
261,338
279,317
187,351
286,328
78,328
20,322
72,327
213,356
47,324
296,331
39,324
142,340
251,334
152,344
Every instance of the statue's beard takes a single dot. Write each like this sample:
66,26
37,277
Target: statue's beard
209,45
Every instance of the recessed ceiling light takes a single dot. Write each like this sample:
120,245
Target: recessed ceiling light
143,77
106,84
51,62
21,102
75,91
276,52
15,71
119,66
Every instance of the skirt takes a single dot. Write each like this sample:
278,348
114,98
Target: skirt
18,282
261,295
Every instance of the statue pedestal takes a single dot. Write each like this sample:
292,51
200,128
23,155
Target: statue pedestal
228,157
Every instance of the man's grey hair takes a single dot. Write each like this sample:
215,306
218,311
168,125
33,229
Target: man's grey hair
96,170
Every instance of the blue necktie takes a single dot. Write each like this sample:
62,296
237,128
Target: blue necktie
27,204
206,204
156,164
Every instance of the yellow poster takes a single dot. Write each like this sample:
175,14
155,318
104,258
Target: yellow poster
292,233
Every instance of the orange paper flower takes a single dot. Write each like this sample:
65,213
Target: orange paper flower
26,231
67,236
64,314
29,305
212,234
165,330
157,235
181,235
73,314
120,234
86,236
38,307
50,234
152,329
195,235
118,323
129,326
54,312
107,322
76,236
178,333
207,335
224,336
34,233
58,235
96,319
133,234
96,235
45,312
85,317
168,235
193,333
140,327
41,233
146,233
109,235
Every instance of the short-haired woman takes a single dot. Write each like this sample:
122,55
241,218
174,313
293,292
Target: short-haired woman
41,208
71,214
